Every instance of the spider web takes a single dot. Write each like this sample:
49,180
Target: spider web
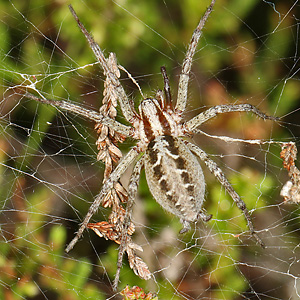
49,174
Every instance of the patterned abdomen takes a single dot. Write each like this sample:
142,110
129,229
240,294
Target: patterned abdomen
175,178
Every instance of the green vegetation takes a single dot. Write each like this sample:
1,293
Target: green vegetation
48,174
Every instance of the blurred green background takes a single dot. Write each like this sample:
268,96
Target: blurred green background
249,53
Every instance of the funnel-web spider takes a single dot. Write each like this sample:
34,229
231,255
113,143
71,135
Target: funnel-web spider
173,172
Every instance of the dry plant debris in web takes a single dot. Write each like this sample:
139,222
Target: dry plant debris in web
136,293
173,172
291,190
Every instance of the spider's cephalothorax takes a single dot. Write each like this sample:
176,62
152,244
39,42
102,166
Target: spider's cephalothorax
173,172
156,118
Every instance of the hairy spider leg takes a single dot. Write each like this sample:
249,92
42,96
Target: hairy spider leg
218,173
187,63
86,113
126,107
220,109
114,177
132,191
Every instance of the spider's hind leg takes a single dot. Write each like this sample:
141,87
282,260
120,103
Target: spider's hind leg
114,177
218,173
132,191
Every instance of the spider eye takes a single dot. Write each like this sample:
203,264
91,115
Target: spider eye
147,101
148,105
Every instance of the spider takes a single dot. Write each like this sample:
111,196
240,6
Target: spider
173,172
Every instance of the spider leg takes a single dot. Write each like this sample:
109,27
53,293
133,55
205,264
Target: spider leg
220,109
187,63
218,173
126,108
114,177
86,113
132,191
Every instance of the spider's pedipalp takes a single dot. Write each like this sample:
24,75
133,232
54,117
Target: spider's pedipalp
133,80
126,108
220,109
114,177
167,87
187,63
160,98
218,173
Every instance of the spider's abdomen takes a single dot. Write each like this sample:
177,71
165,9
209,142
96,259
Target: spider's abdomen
175,178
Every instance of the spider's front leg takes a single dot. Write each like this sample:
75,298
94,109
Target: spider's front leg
218,173
126,107
187,63
114,177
